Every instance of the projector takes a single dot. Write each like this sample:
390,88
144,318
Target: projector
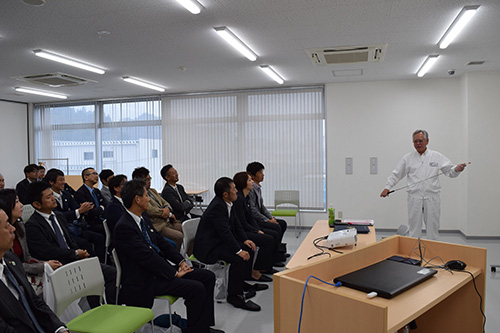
342,238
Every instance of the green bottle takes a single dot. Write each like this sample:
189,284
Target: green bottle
331,217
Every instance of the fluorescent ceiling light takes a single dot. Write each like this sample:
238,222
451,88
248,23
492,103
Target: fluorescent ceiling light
458,24
272,73
235,42
40,92
192,5
67,61
426,66
143,83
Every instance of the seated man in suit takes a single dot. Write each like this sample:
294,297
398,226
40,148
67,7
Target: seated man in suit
256,202
220,236
41,172
49,238
88,193
31,174
145,255
21,310
175,195
67,205
115,209
105,176
160,211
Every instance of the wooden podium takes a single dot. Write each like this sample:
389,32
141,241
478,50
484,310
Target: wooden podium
445,303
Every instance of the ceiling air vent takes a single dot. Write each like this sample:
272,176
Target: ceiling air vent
472,63
346,54
54,79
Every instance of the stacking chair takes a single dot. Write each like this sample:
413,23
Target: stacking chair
170,299
84,278
220,269
189,228
107,241
28,210
287,198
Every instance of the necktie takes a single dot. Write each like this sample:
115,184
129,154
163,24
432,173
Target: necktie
178,193
23,299
57,230
96,201
145,234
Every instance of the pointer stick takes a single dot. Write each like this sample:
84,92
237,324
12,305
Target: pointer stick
423,180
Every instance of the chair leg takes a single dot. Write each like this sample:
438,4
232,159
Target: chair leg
298,231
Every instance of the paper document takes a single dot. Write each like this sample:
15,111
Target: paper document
358,222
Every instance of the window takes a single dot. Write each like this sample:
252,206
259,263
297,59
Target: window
205,136
107,154
126,133
88,156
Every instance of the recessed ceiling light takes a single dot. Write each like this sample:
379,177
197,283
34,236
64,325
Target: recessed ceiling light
40,92
143,83
68,61
426,66
457,25
235,42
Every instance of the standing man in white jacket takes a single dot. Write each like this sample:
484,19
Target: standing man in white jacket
422,168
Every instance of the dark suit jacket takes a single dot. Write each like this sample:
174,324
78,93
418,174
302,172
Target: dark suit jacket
142,266
22,191
217,228
69,206
13,317
180,207
92,216
42,240
114,210
242,210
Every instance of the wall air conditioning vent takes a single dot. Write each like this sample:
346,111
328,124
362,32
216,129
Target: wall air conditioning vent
54,79
347,54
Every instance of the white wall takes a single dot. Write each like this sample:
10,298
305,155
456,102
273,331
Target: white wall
14,141
483,119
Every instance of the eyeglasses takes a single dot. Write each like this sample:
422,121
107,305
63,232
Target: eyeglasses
92,173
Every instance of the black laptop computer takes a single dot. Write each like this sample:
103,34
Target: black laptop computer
387,278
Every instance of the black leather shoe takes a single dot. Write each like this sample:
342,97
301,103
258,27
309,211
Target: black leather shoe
249,294
278,264
255,286
271,271
263,278
240,303
214,330
287,255
280,257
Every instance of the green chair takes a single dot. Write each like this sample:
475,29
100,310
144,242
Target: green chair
287,198
84,278
170,299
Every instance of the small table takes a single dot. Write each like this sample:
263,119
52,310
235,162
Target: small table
321,228
197,197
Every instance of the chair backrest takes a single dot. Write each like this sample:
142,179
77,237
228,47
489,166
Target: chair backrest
107,232
189,228
28,210
402,230
286,197
74,280
118,266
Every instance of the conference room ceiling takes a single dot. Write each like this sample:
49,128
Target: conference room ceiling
161,42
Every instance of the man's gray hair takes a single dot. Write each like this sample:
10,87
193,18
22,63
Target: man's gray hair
424,132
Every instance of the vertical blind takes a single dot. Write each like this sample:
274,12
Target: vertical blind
210,136
205,137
